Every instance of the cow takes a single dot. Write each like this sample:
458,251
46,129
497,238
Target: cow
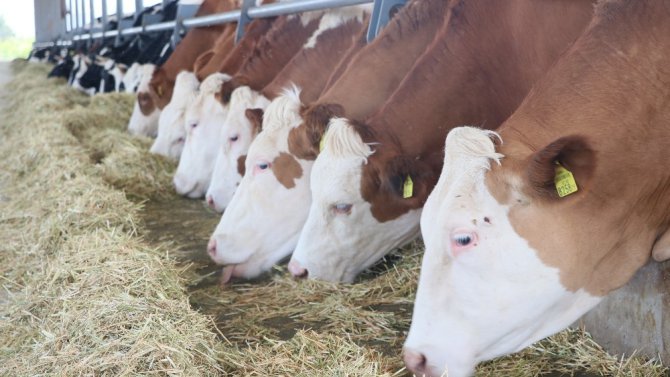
267,58
372,178
528,229
279,160
308,69
171,133
193,174
144,118
161,83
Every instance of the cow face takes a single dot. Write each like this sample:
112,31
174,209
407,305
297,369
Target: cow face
171,132
144,119
261,224
242,124
358,212
485,289
204,118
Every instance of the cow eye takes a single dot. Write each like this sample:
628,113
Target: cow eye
262,165
194,125
234,138
179,140
462,239
342,208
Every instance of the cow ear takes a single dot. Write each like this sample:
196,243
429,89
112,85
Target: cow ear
408,180
316,119
562,168
255,116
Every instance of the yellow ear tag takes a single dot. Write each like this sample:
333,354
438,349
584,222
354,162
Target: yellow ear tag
160,91
564,181
322,143
408,188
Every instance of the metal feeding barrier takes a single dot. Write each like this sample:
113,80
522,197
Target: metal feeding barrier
74,26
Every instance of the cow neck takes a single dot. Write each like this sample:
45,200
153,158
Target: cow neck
220,52
308,68
379,67
231,61
359,42
612,91
274,50
479,85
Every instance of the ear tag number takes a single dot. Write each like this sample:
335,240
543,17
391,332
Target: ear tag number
408,188
564,181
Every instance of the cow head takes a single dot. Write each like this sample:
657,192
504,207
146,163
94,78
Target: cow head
507,262
366,200
261,224
171,132
242,124
204,118
144,120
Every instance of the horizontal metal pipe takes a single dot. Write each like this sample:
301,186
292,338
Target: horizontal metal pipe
278,9
270,10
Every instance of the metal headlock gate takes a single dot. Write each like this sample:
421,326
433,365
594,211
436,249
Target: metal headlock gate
74,27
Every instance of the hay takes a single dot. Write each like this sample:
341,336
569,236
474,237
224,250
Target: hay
82,295
86,293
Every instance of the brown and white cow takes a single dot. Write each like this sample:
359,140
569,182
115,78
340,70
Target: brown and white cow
517,248
257,230
371,181
307,70
144,119
267,57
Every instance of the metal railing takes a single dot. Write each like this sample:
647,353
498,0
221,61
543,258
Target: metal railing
79,32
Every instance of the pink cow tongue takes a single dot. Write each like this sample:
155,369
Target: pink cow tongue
226,275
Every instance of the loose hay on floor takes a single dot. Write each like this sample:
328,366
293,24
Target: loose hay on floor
85,293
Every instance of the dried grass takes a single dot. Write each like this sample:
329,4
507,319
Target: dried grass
86,294
82,294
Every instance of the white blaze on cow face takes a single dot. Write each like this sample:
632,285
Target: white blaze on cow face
341,237
233,143
144,124
262,222
171,132
204,118
483,291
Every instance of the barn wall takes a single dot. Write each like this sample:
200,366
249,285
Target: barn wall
49,19
636,316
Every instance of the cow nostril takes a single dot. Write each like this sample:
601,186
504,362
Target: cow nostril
297,270
210,202
415,362
211,247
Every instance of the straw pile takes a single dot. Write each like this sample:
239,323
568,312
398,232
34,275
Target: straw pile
85,292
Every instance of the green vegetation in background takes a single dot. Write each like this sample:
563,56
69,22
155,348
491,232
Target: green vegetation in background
12,47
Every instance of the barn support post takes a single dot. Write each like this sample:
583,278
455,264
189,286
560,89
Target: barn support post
50,20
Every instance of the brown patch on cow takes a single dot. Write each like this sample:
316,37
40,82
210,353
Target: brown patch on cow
286,169
255,117
240,164
227,89
145,103
304,140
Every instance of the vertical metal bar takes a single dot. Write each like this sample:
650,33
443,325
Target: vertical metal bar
105,18
381,15
139,7
92,15
76,16
119,18
244,19
83,13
